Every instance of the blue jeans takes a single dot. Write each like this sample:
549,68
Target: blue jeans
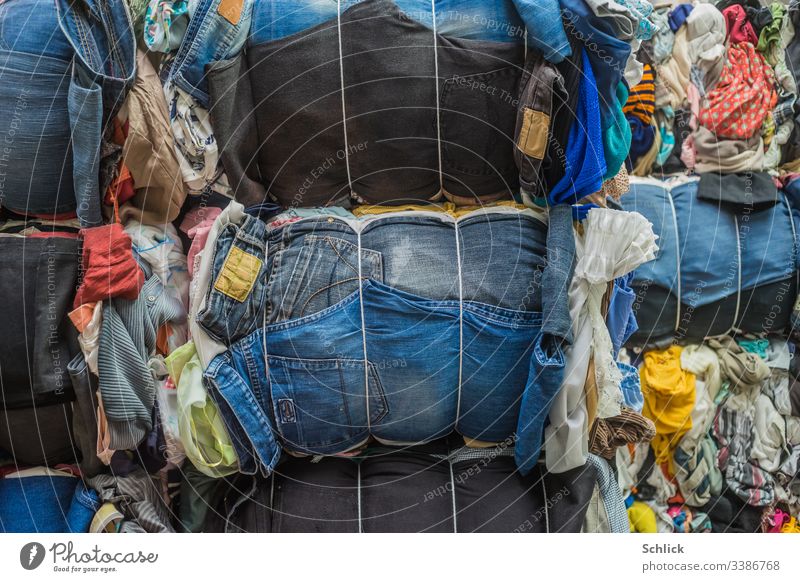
391,351
211,36
712,243
60,82
223,317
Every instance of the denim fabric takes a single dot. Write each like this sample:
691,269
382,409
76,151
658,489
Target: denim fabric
46,504
62,80
84,422
48,102
217,30
20,432
707,244
217,33
248,464
621,320
736,266
224,317
438,487
38,278
419,342
631,387
392,121
557,275
238,377
495,20
544,381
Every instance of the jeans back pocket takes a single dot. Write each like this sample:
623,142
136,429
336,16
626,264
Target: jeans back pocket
478,116
497,348
236,297
321,407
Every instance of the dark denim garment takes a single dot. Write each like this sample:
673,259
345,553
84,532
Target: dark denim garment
384,346
38,278
65,69
437,487
411,121
736,266
218,29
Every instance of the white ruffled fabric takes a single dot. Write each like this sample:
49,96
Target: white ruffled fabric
614,243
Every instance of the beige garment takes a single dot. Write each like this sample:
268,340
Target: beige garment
727,155
149,150
674,74
705,36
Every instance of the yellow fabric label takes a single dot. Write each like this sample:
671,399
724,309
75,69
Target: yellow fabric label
533,135
238,274
231,10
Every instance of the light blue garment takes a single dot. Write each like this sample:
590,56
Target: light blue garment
210,37
494,20
717,249
422,364
631,387
621,320
63,75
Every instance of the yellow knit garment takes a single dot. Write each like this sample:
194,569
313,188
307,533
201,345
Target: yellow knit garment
669,395
642,518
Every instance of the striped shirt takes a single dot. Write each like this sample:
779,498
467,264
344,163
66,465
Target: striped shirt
642,98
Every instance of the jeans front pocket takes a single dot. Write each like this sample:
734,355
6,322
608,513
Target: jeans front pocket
321,407
497,348
319,272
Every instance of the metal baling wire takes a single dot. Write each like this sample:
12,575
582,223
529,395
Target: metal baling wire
360,279
358,491
344,110
458,255
438,104
677,255
546,510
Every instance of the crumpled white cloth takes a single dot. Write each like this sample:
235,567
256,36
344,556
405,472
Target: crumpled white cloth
614,243
195,144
